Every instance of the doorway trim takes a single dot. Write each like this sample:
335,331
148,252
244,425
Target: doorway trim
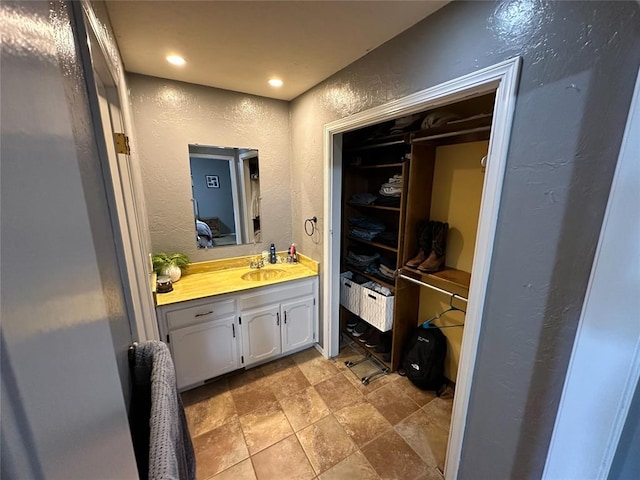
501,78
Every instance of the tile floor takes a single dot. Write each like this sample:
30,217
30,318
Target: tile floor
305,417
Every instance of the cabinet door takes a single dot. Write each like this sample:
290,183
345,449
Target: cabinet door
297,325
204,351
260,334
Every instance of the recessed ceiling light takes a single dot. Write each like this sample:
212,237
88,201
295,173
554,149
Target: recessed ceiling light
176,60
275,82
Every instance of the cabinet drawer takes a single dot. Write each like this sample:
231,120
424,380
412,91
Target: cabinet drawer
199,314
275,294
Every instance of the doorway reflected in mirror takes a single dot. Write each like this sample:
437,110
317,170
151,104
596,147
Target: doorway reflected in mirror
225,185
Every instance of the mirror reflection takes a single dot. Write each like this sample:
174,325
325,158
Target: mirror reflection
225,185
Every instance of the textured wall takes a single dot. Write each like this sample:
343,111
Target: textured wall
63,411
169,116
567,130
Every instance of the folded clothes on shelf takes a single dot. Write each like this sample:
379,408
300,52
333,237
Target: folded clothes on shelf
366,223
361,261
362,227
388,238
388,201
363,198
393,187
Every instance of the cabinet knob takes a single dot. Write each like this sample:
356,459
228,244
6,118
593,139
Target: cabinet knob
204,314
277,318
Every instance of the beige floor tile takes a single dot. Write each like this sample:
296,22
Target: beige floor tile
354,467
428,440
276,366
392,458
287,382
392,403
438,411
325,443
209,413
346,354
196,395
264,426
362,422
284,460
317,370
304,408
375,384
240,471
337,392
306,355
245,377
219,449
421,397
431,474
251,395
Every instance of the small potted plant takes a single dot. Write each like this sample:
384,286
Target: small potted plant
170,264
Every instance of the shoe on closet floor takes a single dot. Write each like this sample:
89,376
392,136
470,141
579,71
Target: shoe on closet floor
384,345
374,339
365,336
351,324
360,328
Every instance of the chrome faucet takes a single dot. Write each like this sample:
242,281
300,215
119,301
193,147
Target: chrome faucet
257,263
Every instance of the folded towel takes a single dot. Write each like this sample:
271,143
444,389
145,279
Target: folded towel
157,408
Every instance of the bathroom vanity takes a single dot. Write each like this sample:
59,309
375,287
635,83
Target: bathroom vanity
223,316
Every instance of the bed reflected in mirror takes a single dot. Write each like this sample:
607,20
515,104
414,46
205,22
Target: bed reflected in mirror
225,185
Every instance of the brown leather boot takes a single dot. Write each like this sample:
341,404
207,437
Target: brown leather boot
424,241
435,260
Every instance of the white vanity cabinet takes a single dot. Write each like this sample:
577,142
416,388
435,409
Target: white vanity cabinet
215,335
203,337
277,320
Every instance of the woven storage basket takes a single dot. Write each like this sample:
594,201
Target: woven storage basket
350,295
375,308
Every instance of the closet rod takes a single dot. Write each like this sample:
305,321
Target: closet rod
422,284
450,134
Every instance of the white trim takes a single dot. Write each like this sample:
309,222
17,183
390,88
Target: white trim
588,427
503,77
100,62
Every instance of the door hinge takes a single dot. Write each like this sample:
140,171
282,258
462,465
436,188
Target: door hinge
122,143
168,341
242,358
233,328
314,335
240,320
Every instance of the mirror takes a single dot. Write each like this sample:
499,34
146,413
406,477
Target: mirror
225,185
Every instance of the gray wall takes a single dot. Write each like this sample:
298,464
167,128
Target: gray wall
170,116
62,304
579,65
213,202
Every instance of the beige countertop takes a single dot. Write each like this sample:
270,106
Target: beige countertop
217,277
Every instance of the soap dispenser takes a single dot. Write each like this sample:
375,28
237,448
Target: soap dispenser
272,253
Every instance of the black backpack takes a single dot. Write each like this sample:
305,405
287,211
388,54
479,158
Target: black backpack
424,360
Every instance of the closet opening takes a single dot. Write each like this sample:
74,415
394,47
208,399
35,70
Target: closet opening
413,189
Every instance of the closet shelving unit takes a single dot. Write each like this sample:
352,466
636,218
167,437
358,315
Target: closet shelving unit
369,162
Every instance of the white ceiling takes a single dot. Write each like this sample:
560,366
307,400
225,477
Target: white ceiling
240,45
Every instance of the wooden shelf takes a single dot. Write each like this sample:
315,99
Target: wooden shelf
380,142
376,166
373,244
453,130
451,279
374,207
